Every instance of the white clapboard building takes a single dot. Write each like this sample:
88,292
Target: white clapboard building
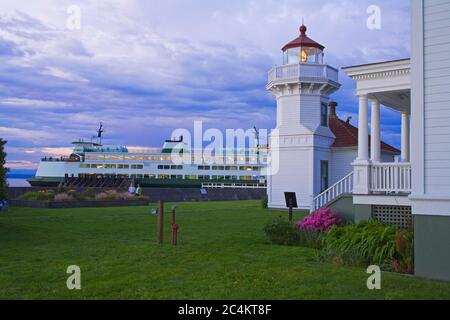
361,179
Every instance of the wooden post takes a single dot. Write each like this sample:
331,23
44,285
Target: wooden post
160,222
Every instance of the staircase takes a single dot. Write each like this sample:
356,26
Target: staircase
343,186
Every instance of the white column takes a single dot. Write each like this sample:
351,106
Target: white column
375,140
405,137
361,167
363,129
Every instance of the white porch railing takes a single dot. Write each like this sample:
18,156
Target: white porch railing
345,185
390,177
303,71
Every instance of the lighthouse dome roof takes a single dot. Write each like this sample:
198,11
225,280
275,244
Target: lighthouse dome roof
303,41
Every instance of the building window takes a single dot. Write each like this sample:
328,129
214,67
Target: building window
323,175
324,115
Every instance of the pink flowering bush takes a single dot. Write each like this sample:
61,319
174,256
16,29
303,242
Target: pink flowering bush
319,221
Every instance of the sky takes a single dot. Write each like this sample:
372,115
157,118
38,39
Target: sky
145,68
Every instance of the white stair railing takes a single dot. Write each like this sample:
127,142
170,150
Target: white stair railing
345,185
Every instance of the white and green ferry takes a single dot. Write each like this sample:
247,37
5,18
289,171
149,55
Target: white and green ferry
92,164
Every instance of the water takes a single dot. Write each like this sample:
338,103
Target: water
18,177
18,183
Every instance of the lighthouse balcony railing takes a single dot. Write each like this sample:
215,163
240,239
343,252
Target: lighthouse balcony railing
303,72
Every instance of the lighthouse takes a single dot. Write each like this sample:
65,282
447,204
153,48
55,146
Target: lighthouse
300,146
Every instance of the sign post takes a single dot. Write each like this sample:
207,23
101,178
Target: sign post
291,202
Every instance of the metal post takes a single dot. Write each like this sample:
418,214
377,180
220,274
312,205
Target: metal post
160,222
290,210
175,227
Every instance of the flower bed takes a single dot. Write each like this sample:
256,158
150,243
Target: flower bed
78,199
362,244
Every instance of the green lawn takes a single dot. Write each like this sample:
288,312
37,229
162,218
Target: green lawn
222,254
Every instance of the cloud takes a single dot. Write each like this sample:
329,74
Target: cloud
21,164
145,68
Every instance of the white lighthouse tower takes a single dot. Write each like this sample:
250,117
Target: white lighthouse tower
300,145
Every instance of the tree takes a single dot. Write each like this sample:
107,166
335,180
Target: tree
3,171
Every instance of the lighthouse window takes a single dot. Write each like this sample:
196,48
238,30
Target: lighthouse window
324,115
323,175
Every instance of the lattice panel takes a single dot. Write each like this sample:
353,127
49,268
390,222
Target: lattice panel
393,215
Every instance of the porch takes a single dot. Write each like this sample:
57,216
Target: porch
374,182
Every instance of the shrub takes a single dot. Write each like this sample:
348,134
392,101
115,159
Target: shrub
3,171
404,247
103,196
62,197
367,243
42,195
88,194
283,232
265,202
319,221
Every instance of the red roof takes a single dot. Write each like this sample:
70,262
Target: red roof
347,136
303,41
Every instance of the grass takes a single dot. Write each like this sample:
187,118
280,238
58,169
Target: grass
222,254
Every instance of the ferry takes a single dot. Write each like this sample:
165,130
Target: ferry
92,164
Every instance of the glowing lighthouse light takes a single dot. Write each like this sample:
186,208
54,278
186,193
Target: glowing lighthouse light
303,50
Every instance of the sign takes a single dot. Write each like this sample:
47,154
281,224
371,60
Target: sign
291,200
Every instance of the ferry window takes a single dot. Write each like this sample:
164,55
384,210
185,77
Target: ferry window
85,165
160,167
245,168
256,168
176,167
204,177
191,177
218,168
246,178
324,115
231,168
123,166
163,176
